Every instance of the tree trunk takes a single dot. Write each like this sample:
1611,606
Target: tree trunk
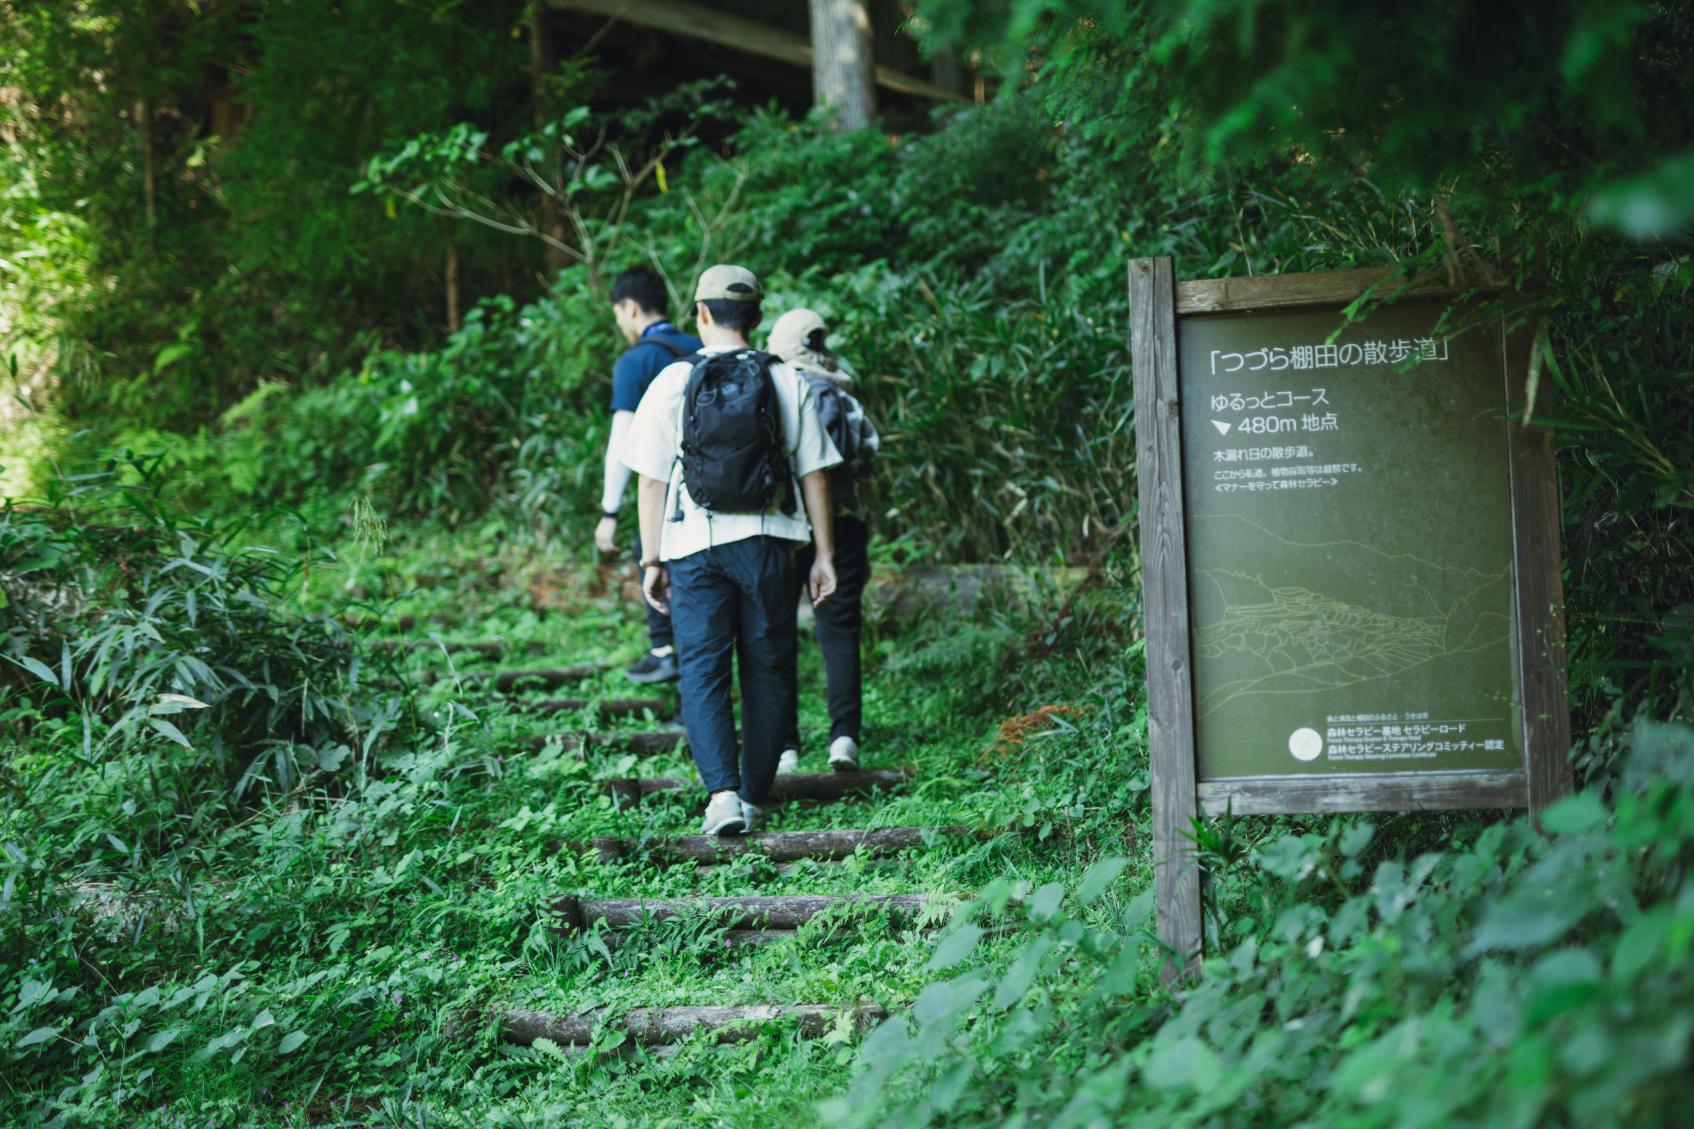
543,57
149,162
227,113
843,69
455,321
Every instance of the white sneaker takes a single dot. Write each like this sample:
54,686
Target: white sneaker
789,761
723,815
844,754
751,816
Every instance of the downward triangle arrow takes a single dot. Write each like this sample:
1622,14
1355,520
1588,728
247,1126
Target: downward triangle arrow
1223,428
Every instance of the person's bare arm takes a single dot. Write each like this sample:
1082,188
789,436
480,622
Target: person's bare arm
655,580
615,482
814,488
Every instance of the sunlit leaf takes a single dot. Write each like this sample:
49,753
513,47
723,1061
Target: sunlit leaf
39,1035
40,669
1099,878
955,947
165,728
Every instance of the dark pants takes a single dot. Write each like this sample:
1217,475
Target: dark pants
736,600
840,620
658,624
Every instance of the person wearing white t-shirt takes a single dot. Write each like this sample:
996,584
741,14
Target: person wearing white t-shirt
725,578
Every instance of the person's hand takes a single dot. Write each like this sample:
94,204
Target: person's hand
822,580
656,587
606,536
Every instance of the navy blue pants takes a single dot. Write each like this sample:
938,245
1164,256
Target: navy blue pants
735,603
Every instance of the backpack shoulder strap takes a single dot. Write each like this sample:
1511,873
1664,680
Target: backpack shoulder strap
676,351
787,484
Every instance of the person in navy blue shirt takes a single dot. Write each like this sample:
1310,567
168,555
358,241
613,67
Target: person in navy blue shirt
639,299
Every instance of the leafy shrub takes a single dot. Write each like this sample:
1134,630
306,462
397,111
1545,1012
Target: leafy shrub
160,641
1617,362
1512,979
495,417
961,192
788,196
226,261
1007,424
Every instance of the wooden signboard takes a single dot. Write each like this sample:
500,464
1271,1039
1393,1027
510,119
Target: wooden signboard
1349,554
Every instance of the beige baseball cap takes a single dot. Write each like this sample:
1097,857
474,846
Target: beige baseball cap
737,284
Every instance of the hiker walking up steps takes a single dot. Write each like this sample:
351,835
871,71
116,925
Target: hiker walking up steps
799,337
733,461
638,304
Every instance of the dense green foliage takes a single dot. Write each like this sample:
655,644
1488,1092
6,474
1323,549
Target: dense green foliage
281,955
1505,978
157,627
242,882
187,167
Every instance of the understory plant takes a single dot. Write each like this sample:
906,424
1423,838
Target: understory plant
165,645
1509,976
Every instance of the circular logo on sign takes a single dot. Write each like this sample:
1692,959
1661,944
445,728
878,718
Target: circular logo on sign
1305,744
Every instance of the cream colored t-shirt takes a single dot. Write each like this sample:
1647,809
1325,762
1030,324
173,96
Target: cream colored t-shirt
653,447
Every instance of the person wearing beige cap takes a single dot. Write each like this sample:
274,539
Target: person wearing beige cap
800,337
733,462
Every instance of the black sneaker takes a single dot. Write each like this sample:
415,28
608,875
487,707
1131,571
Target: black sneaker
654,668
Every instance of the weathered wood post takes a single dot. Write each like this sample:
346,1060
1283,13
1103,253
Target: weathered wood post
843,67
1170,688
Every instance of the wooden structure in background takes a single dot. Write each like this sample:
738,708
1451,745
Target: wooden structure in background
1159,305
696,21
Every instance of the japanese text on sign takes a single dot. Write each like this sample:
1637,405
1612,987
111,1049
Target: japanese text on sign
1415,736
1265,401
1276,358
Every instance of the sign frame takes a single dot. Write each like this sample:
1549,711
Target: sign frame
1158,305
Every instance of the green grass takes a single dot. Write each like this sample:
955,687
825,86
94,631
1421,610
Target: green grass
388,909
335,945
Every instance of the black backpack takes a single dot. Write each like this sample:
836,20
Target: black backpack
734,460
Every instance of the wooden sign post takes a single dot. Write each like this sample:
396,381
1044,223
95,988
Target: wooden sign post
1349,555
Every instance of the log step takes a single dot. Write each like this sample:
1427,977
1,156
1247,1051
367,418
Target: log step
488,650
540,678
607,709
658,1026
649,743
793,786
746,912
778,846
731,939
394,623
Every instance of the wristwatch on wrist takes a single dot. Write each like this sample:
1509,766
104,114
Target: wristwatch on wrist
612,514
654,563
